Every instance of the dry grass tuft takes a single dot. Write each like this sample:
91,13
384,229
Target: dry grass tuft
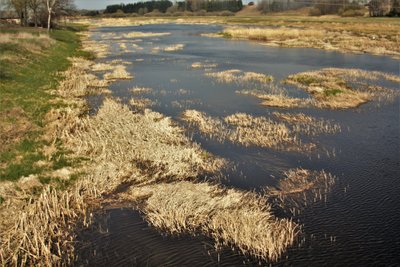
199,65
320,36
141,90
247,130
144,34
119,73
174,47
301,187
301,123
237,76
341,88
141,103
229,216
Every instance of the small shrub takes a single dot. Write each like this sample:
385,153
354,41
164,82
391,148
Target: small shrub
226,13
315,12
353,13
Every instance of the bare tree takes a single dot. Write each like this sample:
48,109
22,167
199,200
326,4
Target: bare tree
50,5
20,6
35,5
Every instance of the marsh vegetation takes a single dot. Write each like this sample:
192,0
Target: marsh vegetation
176,145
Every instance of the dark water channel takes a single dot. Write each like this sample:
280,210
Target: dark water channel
358,225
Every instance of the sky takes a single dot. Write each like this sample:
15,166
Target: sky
99,4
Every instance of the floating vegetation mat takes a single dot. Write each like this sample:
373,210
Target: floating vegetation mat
238,76
141,103
231,217
329,39
175,47
118,73
144,34
141,90
248,130
335,88
200,65
299,188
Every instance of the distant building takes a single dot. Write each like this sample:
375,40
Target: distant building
378,8
8,16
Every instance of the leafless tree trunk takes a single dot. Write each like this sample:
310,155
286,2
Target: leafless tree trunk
50,5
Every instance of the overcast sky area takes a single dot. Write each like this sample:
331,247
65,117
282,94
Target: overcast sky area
99,4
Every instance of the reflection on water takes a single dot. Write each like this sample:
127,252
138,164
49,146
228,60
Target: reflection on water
356,226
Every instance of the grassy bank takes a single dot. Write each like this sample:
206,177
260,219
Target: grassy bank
30,63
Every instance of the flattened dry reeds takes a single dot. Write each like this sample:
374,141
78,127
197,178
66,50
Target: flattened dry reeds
309,125
237,76
119,73
141,103
144,34
42,234
199,65
329,91
140,90
175,47
300,188
244,129
231,217
318,37
119,136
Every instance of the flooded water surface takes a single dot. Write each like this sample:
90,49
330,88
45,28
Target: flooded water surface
358,222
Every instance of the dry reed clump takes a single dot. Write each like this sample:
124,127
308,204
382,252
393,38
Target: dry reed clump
231,217
247,130
118,136
42,234
174,47
99,67
301,123
237,76
141,103
301,187
210,126
78,82
119,73
317,37
144,34
200,65
340,88
100,50
141,90
263,132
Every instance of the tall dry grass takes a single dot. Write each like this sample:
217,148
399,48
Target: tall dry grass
300,188
231,217
336,88
317,36
237,76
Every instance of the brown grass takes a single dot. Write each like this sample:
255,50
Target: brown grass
301,123
141,90
141,103
119,73
237,76
230,217
247,130
342,88
175,47
300,188
200,65
320,36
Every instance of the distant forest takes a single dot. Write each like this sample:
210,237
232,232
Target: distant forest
181,6
318,7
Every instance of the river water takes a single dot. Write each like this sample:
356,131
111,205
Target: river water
357,225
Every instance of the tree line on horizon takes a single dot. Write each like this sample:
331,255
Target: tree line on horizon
164,6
